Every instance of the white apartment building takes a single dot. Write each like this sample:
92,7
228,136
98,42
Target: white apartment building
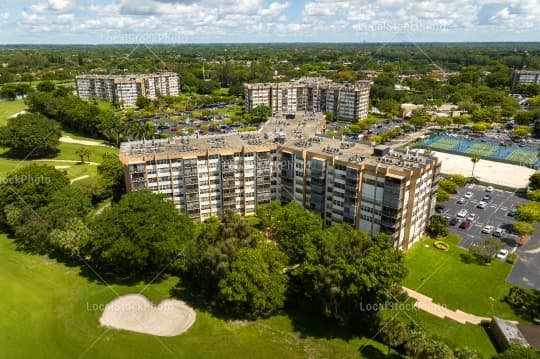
124,89
347,101
525,77
374,190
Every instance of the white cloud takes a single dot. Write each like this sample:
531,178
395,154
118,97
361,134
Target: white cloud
54,6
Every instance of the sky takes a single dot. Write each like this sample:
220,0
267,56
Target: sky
239,21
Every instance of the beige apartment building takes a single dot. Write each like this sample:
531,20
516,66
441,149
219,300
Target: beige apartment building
124,89
346,101
373,189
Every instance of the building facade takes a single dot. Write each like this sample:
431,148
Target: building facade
373,189
125,89
525,77
347,101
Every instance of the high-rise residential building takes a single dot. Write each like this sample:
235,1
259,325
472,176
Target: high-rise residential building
346,101
525,77
124,89
376,189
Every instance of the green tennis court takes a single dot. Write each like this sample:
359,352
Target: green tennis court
481,149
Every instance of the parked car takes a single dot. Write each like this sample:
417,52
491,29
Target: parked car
512,212
453,221
472,217
440,208
461,200
462,213
468,195
487,229
503,253
486,198
489,189
465,224
481,204
499,232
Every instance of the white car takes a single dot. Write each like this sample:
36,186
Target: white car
461,200
468,195
498,232
472,217
503,253
487,229
481,204
489,189
462,213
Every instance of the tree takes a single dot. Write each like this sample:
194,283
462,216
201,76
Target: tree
351,268
486,251
83,152
46,86
534,195
438,226
141,235
143,102
256,284
31,135
8,92
522,131
525,118
474,159
519,352
466,353
111,172
261,113
523,227
448,186
534,181
442,195
393,333
529,212
458,179
71,239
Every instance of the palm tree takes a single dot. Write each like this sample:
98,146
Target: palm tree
474,159
393,333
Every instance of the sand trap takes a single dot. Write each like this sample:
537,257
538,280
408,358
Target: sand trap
136,313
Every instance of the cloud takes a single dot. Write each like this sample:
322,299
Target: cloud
54,6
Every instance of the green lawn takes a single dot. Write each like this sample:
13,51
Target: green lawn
445,143
9,108
449,281
454,334
481,149
49,311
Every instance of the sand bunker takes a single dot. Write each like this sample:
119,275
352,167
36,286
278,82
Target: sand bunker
136,313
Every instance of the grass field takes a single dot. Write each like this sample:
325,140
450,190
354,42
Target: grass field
445,143
9,108
49,311
522,156
449,281
481,149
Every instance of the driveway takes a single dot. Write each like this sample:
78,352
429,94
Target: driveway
526,271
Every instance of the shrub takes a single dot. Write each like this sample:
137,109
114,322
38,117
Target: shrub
534,195
457,179
442,195
443,246
448,186
511,258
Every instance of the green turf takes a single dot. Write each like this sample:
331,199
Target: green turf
68,151
445,143
9,108
49,311
449,281
481,149
522,156
454,334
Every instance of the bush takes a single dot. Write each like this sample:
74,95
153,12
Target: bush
448,186
442,195
529,212
457,179
512,257
534,195
523,228
443,246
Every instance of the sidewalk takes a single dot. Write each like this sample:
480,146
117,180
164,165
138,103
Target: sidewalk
426,304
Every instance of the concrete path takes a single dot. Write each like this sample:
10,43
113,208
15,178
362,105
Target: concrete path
426,304
79,178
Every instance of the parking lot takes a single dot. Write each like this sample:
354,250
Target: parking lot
494,214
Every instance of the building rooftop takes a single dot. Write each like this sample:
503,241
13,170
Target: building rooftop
304,132
124,77
510,331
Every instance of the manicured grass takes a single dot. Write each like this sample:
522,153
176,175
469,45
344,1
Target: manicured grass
471,288
481,149
68,152
454,334
49,311
9,108
445,143
522,156
74,170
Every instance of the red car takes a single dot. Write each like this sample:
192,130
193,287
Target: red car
465,224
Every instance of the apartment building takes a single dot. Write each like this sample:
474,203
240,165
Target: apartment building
374,189
347,101
124,89
525,77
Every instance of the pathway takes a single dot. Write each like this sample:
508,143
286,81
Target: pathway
79,178
426,303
